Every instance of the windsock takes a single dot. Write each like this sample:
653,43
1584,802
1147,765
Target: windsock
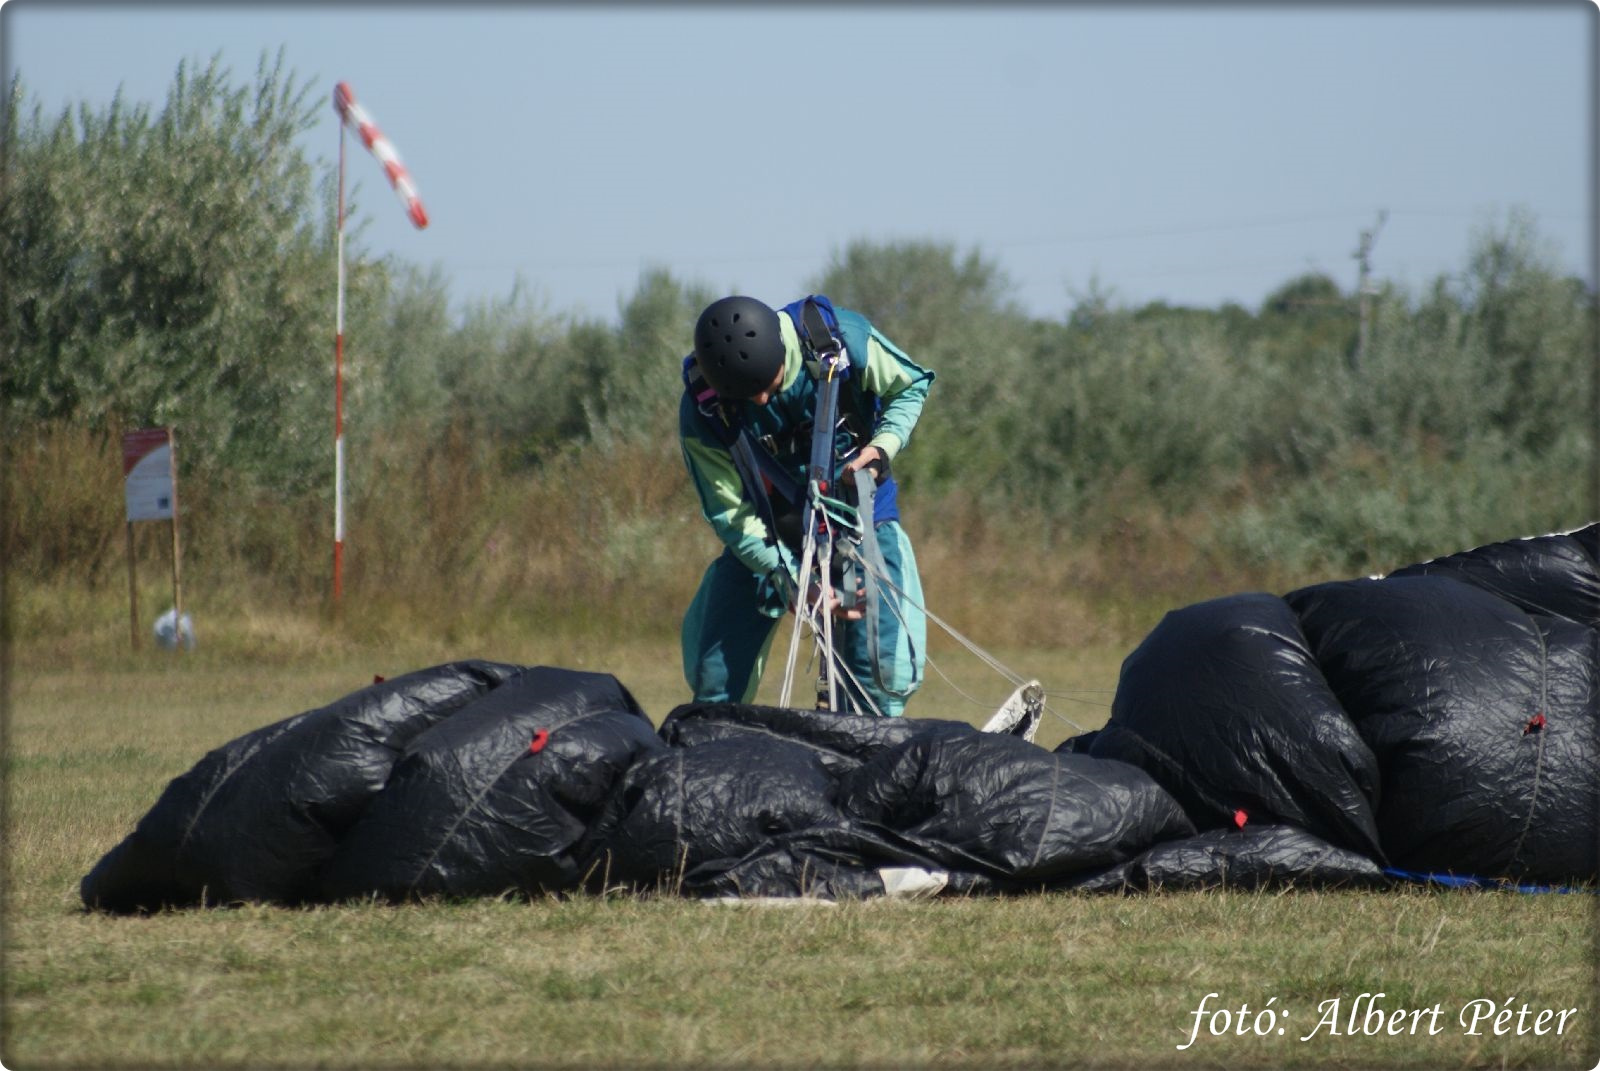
357,118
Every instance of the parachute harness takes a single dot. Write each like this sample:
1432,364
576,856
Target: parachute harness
817,523
831,526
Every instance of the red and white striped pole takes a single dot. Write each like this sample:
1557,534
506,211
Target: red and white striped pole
338,394
354,116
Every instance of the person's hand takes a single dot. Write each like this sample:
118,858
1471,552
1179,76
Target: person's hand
866,456
836,603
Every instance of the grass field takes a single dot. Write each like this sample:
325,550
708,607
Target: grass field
95,733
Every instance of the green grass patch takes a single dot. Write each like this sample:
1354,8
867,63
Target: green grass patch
1052,980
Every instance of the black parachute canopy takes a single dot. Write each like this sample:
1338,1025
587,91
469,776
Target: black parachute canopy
464,779
256,818
1225,705
1439,720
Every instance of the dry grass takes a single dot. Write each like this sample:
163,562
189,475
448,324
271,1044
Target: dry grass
443,543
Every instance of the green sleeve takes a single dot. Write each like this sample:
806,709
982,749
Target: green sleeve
734,519
903,386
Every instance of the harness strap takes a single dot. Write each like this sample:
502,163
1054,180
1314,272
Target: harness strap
873,567
757,469
816,333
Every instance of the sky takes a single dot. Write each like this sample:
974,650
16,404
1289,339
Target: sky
1194,154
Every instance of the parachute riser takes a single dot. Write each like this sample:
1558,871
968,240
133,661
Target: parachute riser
831,365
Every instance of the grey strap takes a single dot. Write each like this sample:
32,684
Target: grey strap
873,566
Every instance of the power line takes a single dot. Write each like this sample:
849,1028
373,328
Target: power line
1000,244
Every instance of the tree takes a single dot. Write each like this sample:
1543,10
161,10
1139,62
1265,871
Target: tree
1305,317
922,293
1535,326
951,313
171,269
636,391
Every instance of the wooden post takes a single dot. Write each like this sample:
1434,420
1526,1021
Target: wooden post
133,595
177,572
151,495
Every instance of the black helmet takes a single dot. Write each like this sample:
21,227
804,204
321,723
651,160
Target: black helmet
738,346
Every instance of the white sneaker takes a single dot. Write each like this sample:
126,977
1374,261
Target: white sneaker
1020,714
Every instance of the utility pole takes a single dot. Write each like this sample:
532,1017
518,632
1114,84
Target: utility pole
1365,289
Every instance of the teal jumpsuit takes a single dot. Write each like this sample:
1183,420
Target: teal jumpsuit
729,627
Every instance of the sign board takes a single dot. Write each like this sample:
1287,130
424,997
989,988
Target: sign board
150,489
147,474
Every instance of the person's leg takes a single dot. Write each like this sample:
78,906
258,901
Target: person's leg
725,635
902,629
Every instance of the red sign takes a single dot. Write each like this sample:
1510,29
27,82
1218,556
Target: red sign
136,444
147,474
